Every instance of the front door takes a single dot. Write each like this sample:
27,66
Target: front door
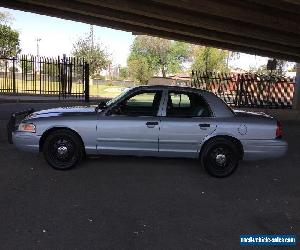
187,122
132,126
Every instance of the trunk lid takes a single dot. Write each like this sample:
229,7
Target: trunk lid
243,113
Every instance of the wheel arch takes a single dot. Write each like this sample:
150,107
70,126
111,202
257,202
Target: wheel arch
51,130
234,140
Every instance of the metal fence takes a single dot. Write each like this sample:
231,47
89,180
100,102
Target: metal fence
247,90
66,77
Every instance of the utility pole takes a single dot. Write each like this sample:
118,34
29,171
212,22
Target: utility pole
92,36
38,46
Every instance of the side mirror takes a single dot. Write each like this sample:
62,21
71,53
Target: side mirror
101,105
114,111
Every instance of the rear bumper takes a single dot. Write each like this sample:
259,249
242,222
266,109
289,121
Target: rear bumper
264,149
26,141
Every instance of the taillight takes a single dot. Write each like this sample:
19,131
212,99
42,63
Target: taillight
279,130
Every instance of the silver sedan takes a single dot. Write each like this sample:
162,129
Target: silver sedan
162,121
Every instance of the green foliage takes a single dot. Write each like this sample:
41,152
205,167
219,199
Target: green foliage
209,59
139,69
95,54
123,73
153,55
9,41
9,38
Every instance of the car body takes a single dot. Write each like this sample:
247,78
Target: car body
164,121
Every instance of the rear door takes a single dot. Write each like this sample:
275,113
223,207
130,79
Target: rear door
132,126
187,122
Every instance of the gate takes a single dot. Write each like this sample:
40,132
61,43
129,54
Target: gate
247,90
66,77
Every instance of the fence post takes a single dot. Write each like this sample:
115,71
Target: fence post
59,78
240,86
14,75
86,82
40,71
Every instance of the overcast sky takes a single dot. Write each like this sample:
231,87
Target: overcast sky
57,36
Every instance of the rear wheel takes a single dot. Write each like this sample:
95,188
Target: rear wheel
220,157
63,149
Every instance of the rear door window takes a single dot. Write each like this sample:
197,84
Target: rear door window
187,104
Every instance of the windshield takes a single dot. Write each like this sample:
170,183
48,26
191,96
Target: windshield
115,99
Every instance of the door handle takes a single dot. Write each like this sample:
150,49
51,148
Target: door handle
151,124
204,125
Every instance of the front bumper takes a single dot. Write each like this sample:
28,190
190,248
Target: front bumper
26,141
23,140
15,120
264,149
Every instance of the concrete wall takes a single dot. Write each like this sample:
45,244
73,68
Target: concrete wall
296,100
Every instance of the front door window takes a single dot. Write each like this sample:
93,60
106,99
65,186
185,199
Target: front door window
140,104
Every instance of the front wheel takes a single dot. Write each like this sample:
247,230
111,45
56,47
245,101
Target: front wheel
63,149
220,157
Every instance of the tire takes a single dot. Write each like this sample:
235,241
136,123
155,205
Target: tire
220,157
63,149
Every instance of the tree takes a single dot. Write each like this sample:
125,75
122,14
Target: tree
261,70
281,68
158,54
94,53
123,73
139,69
209,59
5,18
231,55
9,38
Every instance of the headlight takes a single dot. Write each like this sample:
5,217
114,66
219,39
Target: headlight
26,127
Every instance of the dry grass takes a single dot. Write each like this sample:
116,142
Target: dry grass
31,87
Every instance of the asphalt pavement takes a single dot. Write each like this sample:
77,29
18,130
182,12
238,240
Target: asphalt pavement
143,203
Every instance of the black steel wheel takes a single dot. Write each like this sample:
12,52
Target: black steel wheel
63,149
220,157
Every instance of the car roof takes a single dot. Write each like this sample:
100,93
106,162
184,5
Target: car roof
169,87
